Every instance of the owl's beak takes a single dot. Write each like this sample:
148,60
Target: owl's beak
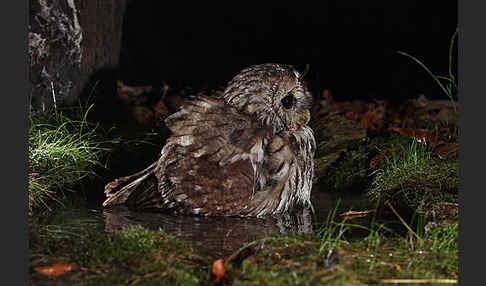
306,117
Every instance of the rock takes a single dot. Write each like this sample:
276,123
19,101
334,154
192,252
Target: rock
334,135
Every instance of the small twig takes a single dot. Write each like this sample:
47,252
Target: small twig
357,213
226,236
417,281
148,275
410,240
54,96
401,219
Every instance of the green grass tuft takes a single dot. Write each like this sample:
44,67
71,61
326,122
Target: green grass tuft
331,232
415,177
382,251
448,83
64,148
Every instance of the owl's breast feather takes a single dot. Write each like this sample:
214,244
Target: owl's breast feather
284,179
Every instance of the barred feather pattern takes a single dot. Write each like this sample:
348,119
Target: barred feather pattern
286,175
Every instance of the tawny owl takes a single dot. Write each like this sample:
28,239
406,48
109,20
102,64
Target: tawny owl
247,153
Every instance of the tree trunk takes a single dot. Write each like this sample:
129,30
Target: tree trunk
69,41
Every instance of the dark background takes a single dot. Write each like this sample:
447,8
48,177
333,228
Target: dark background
351,46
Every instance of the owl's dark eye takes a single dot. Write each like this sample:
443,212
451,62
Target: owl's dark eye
288,101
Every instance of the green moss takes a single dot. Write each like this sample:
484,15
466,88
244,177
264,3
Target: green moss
435,256
134,254
349,172
414,177
283,261
334,135
302,260
411,175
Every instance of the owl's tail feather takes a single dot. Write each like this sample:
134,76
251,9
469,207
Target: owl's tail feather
138,190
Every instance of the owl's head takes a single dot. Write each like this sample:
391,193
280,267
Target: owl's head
274,94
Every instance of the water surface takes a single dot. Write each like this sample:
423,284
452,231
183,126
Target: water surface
210,236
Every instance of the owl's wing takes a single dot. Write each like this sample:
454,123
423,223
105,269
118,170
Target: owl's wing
208,164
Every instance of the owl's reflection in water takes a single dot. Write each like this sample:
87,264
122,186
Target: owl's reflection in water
212,237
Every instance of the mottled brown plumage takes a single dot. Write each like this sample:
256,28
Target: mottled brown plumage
248,153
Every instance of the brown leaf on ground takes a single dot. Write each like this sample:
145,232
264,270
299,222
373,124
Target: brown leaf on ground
447,151
327,95
395,118
143,115
383,102
327,105
378,159
351,115
372,119
357,106
444,115
217,271
56,269
124,97
424,136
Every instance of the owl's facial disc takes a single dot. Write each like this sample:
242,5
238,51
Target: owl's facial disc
298,114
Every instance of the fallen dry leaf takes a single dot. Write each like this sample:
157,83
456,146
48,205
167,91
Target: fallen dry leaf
447,151
378,159
124,97
372,119
56,269
395,118
327,94
351,115
424,136
218,270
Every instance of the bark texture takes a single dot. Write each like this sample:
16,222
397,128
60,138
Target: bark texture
69,41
